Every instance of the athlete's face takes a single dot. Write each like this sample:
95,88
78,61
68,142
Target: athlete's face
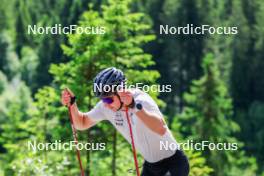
112,102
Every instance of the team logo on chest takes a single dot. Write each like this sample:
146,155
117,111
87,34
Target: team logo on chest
119,120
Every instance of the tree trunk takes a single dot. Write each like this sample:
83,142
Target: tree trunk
88,156
114,154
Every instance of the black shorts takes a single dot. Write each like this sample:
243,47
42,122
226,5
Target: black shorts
176,165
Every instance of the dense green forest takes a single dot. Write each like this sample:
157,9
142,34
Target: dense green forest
217,81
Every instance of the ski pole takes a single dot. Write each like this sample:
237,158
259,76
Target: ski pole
132,142
76,141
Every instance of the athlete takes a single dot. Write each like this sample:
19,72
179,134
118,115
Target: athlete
147,123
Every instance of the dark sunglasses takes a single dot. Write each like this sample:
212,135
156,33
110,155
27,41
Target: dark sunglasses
108,100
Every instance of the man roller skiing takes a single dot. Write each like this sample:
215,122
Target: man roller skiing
146,122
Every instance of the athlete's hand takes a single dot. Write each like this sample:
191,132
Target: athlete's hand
66,95
125,96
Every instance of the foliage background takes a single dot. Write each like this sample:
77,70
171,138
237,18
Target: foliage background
217,81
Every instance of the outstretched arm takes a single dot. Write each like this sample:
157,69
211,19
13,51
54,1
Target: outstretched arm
80,121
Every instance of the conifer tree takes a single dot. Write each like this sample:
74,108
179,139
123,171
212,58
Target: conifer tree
208,117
